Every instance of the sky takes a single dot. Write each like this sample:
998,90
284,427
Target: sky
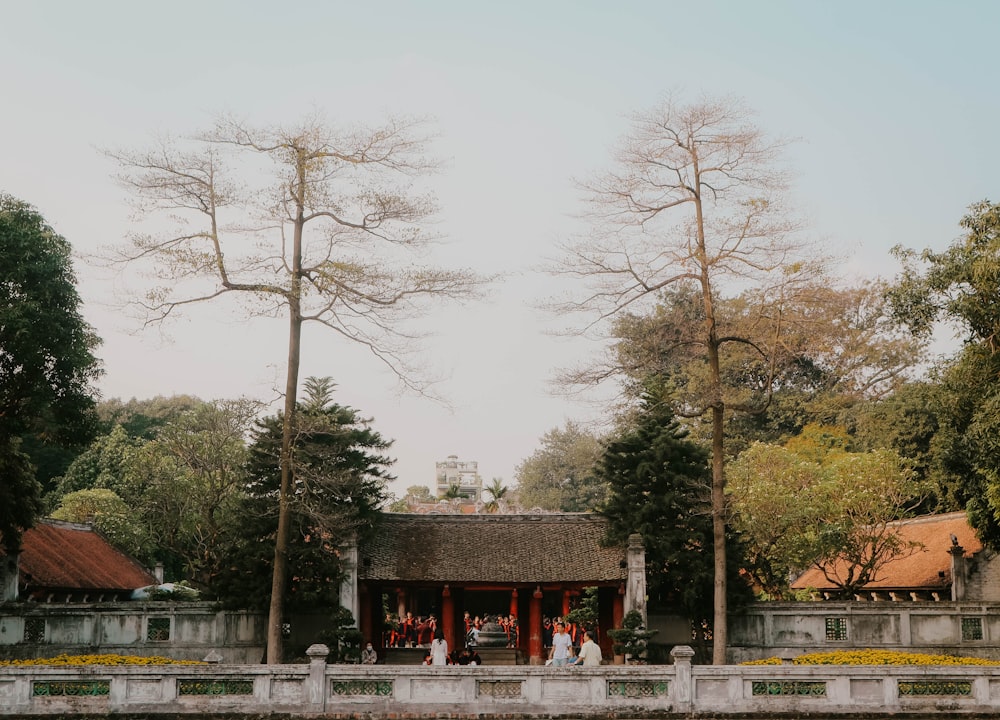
893,105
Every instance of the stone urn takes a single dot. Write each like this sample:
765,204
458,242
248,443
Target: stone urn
492,635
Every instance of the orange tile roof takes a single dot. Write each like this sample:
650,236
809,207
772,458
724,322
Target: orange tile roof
66,556
921,570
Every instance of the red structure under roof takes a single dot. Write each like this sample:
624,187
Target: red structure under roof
73,561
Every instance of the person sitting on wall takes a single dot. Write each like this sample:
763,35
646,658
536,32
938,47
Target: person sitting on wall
590,652
473,658
368,655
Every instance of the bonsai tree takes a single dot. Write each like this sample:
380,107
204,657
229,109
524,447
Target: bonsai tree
631,638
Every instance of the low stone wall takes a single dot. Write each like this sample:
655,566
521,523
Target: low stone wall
374,692
183,631
790,629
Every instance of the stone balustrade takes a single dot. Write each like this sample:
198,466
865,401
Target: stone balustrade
519,691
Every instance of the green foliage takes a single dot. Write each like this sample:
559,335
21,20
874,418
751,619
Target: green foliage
497,492
813,504
560,475
340,472
121,523
660,487
960,285
47,363
585,614
632,638
343,637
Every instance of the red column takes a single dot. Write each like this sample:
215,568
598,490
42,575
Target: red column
536,655
513,602
619,609
565,607
448,618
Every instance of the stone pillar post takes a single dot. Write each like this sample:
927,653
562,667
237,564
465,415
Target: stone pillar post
316,682
536,653
8,578
684,694
958,573
349,585
635,589
448,618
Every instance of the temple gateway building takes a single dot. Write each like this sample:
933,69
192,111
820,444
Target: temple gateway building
529,566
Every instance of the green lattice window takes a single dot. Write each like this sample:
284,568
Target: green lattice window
934,687
158,629
62,688
215,687
499,688
350,688
637,688
34,630
972,628
798,688
836,628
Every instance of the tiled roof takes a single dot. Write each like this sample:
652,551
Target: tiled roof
68,556
491,549
922,569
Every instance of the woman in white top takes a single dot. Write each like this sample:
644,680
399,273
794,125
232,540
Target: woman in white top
439,649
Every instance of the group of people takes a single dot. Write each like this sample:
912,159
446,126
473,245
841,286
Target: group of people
566,643
409,631
563,652
507,623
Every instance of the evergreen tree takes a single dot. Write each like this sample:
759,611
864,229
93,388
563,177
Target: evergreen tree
660,487
340,472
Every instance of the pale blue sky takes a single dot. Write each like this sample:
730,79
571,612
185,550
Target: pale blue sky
895,104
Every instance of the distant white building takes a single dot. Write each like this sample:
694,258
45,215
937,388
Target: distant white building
464,475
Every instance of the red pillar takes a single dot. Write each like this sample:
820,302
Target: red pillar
513,602
565,607
536,654
448,618
619,609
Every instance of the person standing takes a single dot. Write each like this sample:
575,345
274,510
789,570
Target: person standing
590,652
562,646
439,649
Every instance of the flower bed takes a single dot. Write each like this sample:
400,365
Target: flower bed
70,660
875,657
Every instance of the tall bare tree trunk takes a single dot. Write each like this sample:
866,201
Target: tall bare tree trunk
279,573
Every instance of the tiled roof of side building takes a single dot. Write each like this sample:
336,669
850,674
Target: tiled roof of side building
70,556
929,567
522,548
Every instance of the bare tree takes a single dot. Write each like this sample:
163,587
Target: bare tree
307,221
694,201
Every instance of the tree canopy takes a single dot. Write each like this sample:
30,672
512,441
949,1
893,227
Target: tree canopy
340,472
560,475
47,361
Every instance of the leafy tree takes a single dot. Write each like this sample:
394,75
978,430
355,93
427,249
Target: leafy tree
660,487
560,475
415,494
332,235
47,362
959,285
632,638
106,464
141,418
189,484
840,520
120,523
694,201
339,482
497,492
